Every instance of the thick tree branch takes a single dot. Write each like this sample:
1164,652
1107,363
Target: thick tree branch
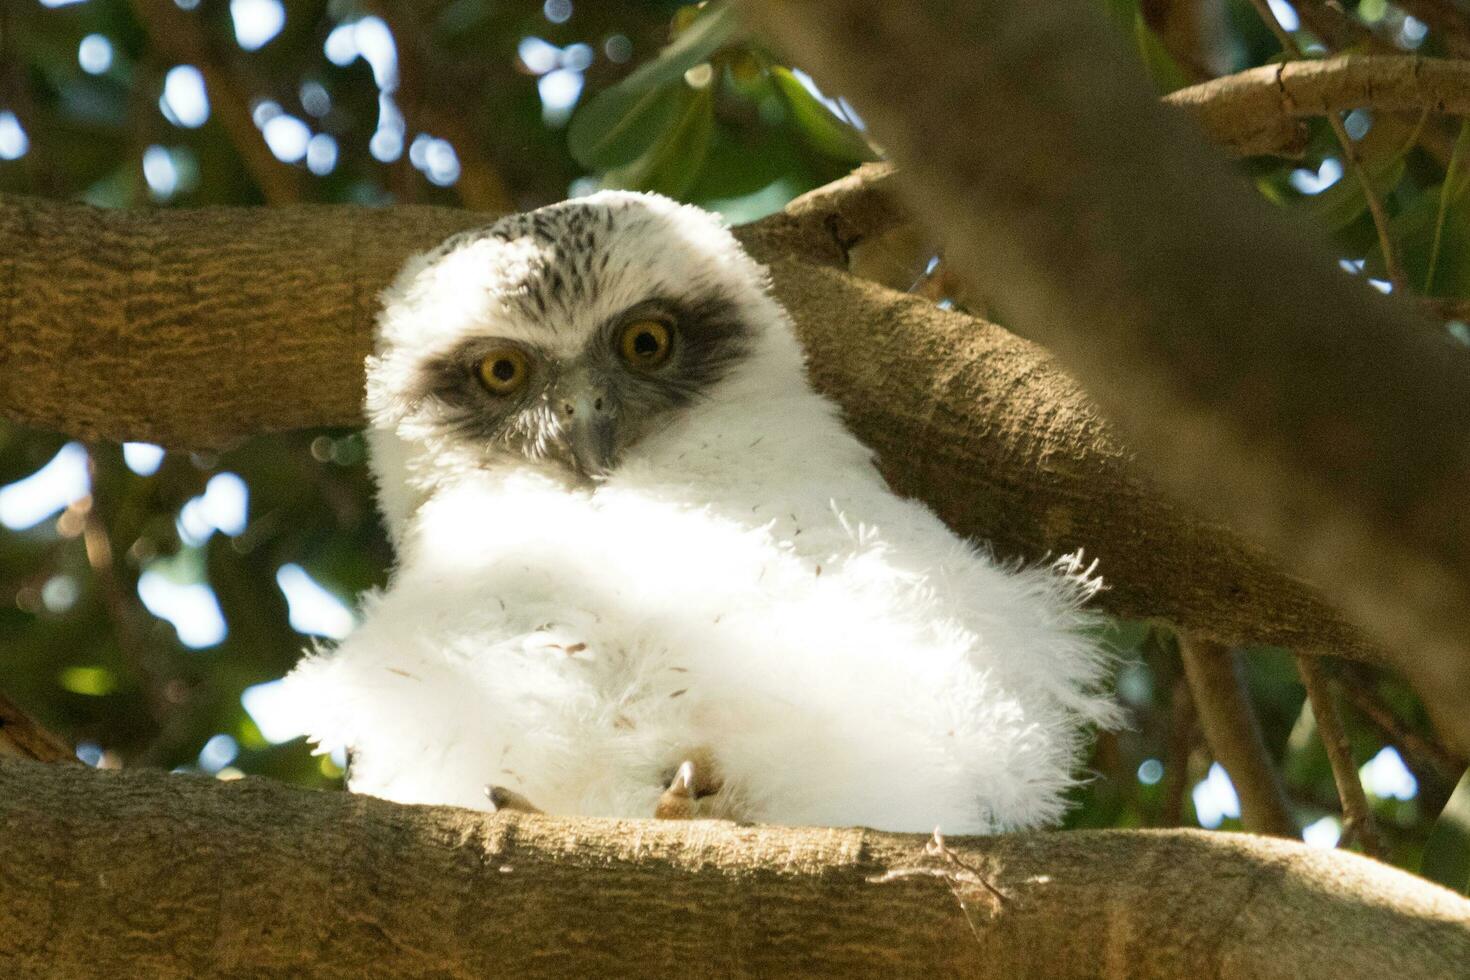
1234,734
196,329
1261,110
1323,419
140,873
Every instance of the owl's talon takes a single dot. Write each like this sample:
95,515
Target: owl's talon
680,800
507,799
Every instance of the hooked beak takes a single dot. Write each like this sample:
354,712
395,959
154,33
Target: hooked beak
588,415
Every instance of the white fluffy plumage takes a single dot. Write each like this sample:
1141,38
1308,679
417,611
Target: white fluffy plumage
741,587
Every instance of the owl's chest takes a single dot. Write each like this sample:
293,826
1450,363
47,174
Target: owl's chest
613,589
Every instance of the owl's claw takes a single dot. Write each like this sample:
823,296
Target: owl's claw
681,800
507,799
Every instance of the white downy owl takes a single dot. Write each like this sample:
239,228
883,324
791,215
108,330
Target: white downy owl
643,568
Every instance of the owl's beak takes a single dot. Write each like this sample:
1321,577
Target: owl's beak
589,424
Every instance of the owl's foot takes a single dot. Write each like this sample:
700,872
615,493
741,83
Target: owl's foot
683,799
508,799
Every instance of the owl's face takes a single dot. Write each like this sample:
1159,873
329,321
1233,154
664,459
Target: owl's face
567,335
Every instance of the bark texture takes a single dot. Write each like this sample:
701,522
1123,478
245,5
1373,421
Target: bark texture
1329,422
197,329
141,873
1262,110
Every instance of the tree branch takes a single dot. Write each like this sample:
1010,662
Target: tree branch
1183,725
213,325
1260,111
168,876
1358,692
1292,51
1323,420
1357,816
1234,734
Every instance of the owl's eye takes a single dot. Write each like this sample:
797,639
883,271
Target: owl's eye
503,371
645,343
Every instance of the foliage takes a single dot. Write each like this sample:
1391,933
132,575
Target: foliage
677,99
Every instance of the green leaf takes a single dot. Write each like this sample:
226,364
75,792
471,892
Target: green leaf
1343,202
1447,851
741,161
1380,155
1422,230
672,164
823,130
1162,67
622,123
1455,182
714,28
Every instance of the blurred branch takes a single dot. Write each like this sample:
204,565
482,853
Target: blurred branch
962,414
1182,728
1357,817
423,890
424,102
1359,692
16,94
179,35
23,738
1234,735
1449,22
1260,111
1192,31
1349,155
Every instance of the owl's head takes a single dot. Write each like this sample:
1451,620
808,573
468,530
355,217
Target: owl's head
564,338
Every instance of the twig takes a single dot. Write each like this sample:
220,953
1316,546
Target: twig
178,33
1357,818
1358,692
966,882
1349,154
21,737
1234,735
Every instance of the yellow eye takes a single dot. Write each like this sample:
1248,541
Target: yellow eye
645,343
503,371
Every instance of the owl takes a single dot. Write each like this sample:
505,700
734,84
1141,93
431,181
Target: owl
643,569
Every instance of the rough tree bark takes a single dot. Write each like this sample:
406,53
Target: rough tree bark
141,873
1328,422
199,328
